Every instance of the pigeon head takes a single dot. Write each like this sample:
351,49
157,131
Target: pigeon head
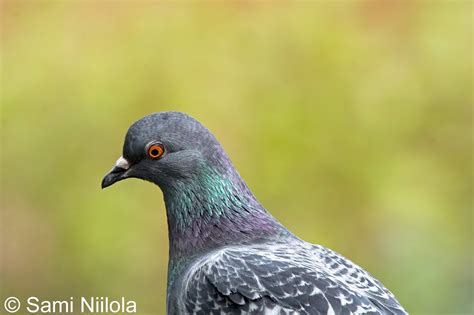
168,148
207,202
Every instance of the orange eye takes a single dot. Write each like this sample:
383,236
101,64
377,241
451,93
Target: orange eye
155,150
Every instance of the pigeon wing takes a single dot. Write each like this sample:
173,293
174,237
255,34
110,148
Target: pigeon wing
284,279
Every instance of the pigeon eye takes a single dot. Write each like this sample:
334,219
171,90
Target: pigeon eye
155,150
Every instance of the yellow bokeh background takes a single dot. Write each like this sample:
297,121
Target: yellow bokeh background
351,121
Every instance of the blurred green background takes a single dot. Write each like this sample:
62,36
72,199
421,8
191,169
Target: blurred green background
350,121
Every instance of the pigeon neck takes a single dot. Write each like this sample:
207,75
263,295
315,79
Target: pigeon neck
213,210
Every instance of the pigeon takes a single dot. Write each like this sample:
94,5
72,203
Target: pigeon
227,253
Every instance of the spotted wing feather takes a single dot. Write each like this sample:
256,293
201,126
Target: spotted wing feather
284,279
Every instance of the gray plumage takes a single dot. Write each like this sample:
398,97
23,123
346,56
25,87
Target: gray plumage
228,255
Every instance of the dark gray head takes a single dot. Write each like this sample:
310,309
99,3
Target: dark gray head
207,203
167,148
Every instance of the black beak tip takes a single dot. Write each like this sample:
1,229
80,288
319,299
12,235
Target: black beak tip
106,181
103,184
112,177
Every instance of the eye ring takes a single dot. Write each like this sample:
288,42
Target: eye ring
155,150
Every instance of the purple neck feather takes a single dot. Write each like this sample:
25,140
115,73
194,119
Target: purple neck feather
215,209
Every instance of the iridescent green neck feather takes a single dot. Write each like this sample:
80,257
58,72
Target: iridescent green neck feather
213,209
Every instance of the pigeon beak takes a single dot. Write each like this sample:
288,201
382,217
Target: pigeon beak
117,173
